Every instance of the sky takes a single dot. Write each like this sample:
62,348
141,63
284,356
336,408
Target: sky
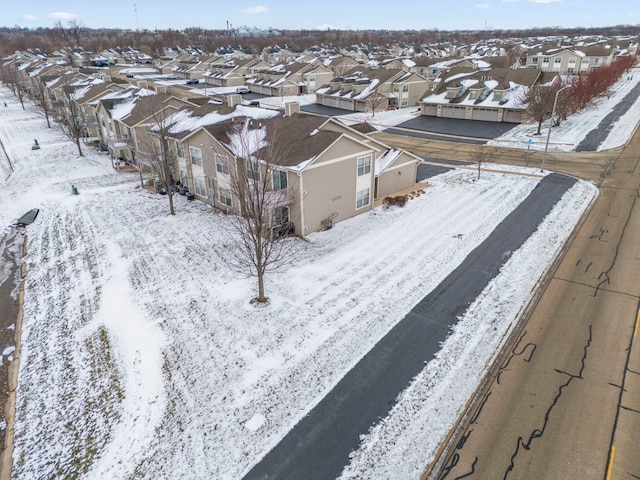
333,14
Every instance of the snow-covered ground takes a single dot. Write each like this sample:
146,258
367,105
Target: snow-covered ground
142,358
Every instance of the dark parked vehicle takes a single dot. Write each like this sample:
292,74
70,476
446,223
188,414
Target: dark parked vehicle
254,103
192,81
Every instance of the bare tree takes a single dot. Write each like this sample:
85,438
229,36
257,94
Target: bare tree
156,150
41,101
262,197
539,102
375,101
482,155
72,122
10,76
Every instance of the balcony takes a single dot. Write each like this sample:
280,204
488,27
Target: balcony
119,143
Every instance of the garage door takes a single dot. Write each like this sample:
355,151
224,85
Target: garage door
485,114
330,101
514,116
453,112
431,110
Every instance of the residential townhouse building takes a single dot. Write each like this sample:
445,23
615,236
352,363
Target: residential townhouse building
570,60
391,88
234,72
290,79
490,94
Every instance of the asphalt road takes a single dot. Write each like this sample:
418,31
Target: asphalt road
598,135
565,403
318,447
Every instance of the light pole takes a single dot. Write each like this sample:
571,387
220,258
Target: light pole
553,113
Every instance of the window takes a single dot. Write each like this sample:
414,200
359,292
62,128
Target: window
405,88
596,61
557,60
362,198
225,197
572,59
364,165
281,215
253,169
534,60
222,163
200,190
279,180
180,149
405,102
585,60
545,59
196,156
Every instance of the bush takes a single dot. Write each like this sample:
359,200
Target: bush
399,201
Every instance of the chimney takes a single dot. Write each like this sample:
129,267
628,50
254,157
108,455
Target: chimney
233,99
106,78
142,84
291,108
161,88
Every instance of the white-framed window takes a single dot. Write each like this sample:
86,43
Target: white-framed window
222,163
572,59
200,189
364,165
253,169
362,198
585,60
196,155
557,60
596,61
545,59
405,88
225,196
279,180
180,149
534,60
405,102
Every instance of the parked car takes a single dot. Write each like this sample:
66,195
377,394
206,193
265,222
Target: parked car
192,81
242,90
254,103
129,75
172,77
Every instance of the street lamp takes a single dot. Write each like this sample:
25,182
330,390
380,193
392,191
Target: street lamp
553,113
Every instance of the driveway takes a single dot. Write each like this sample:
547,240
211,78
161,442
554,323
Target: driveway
323,110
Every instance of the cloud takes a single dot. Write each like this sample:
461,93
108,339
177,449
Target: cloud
62,16
256,9
482,5
28,16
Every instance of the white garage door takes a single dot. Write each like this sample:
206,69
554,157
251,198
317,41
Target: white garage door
514,116
453,112
431,110
485,114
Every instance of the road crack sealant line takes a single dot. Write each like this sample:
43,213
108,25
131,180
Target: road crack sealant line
477,400
6,460
538,432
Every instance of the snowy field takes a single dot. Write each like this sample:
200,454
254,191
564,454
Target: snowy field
142,358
